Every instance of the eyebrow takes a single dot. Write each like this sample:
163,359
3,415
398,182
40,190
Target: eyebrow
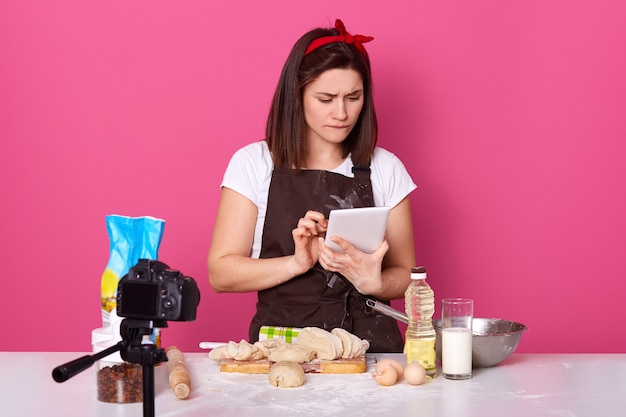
359,91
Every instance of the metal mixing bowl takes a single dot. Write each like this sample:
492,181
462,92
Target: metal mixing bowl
493,340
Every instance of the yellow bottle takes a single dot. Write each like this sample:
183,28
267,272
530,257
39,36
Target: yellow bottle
420,338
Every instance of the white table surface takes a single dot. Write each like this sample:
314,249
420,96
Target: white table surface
564,385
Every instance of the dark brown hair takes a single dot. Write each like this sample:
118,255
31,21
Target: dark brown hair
286,126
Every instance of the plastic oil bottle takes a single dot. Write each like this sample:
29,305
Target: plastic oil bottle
419,300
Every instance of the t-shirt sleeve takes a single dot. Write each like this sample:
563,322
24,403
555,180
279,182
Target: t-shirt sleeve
248,171
392,182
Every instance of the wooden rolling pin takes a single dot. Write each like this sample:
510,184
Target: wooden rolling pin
179,379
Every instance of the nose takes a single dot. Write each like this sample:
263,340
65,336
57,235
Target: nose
340,112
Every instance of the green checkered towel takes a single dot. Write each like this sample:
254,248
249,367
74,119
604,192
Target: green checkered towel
289,334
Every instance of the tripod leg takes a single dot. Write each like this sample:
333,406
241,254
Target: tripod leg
148,390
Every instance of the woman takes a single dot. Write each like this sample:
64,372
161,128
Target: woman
319,154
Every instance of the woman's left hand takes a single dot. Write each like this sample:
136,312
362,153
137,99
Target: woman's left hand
362,269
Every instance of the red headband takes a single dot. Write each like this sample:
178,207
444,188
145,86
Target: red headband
356,40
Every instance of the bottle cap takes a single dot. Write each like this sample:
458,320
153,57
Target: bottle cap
418,272
101,334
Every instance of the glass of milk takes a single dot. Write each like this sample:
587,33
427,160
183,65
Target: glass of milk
456,337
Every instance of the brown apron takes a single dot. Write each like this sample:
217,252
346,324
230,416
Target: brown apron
317,298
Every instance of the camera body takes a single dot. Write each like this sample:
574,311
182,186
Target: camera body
153,291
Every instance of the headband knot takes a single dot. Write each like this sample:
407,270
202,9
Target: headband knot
344,36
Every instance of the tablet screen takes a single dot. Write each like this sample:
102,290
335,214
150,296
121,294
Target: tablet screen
363,227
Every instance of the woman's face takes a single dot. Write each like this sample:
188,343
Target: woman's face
332,105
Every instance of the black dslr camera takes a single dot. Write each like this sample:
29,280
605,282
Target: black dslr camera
153,291
148,296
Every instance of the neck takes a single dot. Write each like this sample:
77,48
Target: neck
324,157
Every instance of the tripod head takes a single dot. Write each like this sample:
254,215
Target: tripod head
134,350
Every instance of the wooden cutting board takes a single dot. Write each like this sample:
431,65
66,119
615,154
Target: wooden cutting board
262,366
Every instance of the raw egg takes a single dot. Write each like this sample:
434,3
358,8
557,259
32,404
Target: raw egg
414,374
386,376
384,363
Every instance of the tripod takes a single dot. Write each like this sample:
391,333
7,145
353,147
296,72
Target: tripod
132,350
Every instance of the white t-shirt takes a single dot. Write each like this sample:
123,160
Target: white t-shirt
249,173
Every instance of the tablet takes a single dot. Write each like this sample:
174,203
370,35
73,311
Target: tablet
363,227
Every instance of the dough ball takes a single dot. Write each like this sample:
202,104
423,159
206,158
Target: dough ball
267,345
325,344
292,353
231,349
353,346
286,375
244,351
219,353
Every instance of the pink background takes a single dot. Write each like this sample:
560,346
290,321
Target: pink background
508,114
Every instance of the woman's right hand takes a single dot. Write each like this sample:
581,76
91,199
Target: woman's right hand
305,235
